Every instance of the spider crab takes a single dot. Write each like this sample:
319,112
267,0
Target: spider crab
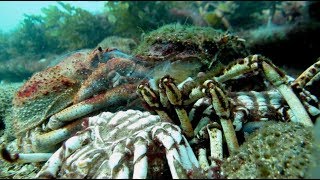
134,143
124,144
207,109
48,107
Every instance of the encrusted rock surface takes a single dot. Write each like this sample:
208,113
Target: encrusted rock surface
278,150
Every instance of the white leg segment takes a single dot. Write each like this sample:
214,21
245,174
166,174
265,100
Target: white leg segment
191,154
53,165
33,157
215,136
204,164
140,164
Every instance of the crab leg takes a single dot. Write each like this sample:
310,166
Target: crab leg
52,166
308,76
174,96
118,94
220,103
24,158
106,76
119,171
43,141
186,158
172,153
140,159
274,75
215,136
214,133
178,155
152,100
203,160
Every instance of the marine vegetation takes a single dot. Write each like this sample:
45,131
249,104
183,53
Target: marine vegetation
132,18
55,31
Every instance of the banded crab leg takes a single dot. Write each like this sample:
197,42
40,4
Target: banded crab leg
175,98
213,131
274,75
308,76
118,164
151,98
140,159
305,80
221,105
52,166
41,143
180,156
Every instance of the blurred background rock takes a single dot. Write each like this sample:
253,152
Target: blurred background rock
284,31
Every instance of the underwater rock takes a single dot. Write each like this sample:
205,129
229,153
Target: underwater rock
287,45
313,173
277,150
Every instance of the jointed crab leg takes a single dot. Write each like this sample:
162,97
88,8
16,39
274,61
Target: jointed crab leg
117,163
140,161
220,103
308,76
215,136
176,147
123,92
114,72
24,158
274,75
214,133
152,100
41,144
43,141
62,153
174,96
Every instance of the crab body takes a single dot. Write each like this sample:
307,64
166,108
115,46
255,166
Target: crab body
86,82
82,83
135,144
50,107
122,145
208,112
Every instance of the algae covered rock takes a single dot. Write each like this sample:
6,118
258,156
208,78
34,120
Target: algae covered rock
314,171
277,150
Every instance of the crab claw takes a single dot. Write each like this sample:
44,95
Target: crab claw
117,96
